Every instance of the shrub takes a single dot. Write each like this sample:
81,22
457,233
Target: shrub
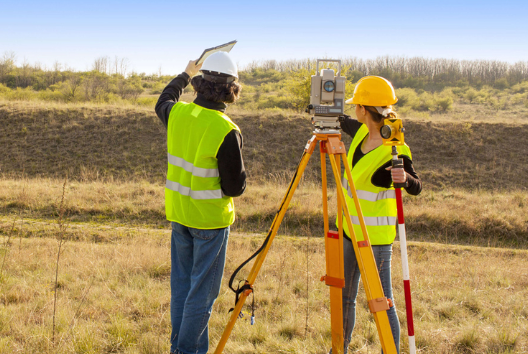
518,98
427,102
498,103
158,87
520,88
501,83
4,89
146,101
353,75
407,97
266,88
471,94
459,91
445,104
297,87
448,92
112,98
130,88
349,89
20,94
49,95
248,89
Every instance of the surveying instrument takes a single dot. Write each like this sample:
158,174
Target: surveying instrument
327,105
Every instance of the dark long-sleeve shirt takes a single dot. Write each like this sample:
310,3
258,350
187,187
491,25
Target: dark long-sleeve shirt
229,155
382,177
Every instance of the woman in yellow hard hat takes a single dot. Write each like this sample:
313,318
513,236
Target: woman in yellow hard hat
373,176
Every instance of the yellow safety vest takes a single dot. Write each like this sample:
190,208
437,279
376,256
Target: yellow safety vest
193,195
378,204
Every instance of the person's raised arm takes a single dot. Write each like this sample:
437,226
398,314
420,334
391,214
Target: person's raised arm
349,125
171,94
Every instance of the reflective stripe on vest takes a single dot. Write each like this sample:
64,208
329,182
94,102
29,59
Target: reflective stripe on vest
189,167
176,187
370,196
375,221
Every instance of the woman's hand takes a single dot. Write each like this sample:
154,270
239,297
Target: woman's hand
398,174
192,69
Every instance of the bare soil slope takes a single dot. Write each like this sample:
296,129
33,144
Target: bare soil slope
91,142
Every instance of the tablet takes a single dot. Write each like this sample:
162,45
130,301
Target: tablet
221,48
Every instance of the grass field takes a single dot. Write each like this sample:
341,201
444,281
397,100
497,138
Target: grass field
468,231
113,295
488,218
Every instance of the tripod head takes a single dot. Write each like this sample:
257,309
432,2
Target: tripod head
334,130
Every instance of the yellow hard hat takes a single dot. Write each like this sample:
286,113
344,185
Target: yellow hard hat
373,91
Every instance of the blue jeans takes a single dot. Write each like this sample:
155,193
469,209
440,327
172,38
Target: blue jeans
197,266
382,255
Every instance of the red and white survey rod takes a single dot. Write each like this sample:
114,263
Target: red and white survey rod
405,261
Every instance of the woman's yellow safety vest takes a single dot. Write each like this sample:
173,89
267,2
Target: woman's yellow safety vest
378,204
193,196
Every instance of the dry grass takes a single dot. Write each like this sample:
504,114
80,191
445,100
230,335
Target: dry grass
476,113
114,297
113,290
475,218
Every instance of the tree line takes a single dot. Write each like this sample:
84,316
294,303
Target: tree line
109,80
106,79
415,72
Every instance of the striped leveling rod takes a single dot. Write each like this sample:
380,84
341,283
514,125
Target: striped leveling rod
405,261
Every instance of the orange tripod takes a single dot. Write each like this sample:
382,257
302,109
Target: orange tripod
331,145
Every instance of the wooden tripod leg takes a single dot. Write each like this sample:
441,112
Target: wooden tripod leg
365,258
262,255
335,273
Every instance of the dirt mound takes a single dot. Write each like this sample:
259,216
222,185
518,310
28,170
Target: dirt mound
91,142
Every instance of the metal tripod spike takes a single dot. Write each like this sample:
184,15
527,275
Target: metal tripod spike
331,144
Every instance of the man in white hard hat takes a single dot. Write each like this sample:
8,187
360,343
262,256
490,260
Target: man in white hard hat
205,171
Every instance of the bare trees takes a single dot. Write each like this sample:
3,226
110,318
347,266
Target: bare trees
416,70
71,88
121,66
7,63
101,64
105,65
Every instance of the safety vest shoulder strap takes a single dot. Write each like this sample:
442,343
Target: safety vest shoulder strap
194,110
358,138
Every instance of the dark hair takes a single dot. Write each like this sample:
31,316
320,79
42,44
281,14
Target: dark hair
227,93
376,116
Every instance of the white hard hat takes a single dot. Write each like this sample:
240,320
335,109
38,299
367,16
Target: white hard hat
220,62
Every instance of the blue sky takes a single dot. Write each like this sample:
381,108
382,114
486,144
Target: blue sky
167,34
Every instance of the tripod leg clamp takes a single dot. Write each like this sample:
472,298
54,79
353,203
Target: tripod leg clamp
364,243
331,281
379,304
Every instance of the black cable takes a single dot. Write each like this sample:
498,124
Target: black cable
246,285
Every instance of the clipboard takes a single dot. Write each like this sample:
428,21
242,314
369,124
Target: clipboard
221,48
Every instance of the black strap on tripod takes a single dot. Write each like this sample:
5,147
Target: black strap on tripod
239,291
246,285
